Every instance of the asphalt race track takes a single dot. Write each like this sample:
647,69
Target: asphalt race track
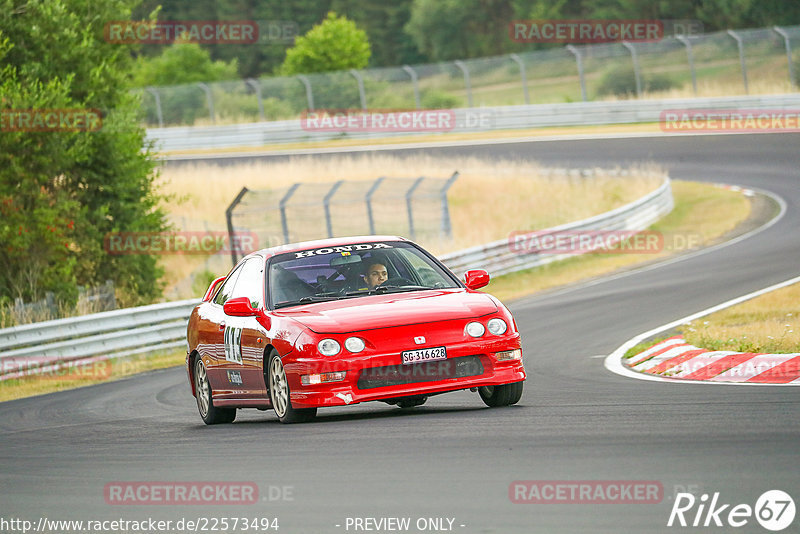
453,457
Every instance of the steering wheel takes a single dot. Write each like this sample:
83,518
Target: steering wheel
397,281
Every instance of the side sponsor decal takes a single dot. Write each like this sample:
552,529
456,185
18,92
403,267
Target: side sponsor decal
233,344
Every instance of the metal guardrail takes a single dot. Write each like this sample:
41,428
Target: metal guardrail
44,346
684,58
466,120
51,345
499,257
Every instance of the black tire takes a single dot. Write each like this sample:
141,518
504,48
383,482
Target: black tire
280,396
210,414
504,395
411,402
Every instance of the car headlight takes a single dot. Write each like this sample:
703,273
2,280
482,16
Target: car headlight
328,347
497,326
354,344
475,329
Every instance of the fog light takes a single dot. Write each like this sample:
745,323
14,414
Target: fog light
506,355
321,378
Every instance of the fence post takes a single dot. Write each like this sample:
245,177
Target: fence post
327,204
690,56
368,199
309,93
516,59
415,81
209,99
788,44
740,44
229,221
579,62
636,74
361,94
257,88
463,67
409,194
159,114
284,221
447,229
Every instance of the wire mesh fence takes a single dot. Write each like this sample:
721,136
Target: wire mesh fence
416,207
716,64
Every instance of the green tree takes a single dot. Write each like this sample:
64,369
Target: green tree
335,44
182,63
457,29
61,192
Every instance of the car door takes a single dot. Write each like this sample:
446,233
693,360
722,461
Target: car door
244,352
212,335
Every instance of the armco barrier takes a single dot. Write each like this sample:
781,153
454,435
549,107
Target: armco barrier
466,120
114,333
163,326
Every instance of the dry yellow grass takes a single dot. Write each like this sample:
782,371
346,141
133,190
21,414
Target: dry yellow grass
489,200
35,385
769,324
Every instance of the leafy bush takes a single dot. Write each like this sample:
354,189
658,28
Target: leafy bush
621,81
433,99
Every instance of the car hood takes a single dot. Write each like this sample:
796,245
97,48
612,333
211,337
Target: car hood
398,309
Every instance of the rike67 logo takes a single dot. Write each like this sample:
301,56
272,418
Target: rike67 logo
774,510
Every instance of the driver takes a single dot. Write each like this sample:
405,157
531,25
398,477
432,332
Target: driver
375,274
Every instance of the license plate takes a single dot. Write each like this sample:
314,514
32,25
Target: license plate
424,355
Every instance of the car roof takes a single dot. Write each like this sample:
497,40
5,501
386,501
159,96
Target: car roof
324,243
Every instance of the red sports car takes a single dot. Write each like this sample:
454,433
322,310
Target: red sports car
343,321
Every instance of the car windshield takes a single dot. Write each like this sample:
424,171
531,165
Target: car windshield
352,271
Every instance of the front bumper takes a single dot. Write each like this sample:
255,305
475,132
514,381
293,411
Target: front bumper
383,376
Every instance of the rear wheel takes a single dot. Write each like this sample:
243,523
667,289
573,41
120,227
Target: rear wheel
503,395
205,402
280,396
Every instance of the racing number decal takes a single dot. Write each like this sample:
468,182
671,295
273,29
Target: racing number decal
233,344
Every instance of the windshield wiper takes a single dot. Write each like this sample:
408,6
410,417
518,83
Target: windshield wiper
396,289
307,300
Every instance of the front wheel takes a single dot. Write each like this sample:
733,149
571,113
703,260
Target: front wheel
279,394
205,403
504,395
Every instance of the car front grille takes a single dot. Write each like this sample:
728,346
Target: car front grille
393,375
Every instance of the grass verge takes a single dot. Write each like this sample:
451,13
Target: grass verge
702,214
769,324
50,382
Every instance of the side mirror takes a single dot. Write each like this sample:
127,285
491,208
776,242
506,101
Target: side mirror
476,278
212,287
239,307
